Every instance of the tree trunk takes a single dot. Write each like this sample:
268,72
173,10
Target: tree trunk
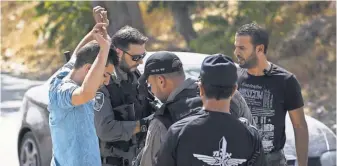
122,13
182,20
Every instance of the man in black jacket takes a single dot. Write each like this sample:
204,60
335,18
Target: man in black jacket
214,137
165,76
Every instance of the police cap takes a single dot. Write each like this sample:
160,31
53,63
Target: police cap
218,70
161,62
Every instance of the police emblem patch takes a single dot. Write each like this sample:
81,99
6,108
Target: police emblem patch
220,157
99,100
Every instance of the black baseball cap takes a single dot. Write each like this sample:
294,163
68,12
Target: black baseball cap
161,62
218,70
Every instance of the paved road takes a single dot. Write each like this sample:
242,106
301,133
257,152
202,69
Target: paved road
12,91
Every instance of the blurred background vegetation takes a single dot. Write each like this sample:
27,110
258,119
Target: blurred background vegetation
302,36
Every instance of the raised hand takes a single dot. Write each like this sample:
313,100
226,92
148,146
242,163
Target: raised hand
100,15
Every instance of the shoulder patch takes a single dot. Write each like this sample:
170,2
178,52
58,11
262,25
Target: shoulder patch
99,101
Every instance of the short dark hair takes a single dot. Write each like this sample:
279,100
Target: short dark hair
217,92
180,73
258,34
128,35
88,53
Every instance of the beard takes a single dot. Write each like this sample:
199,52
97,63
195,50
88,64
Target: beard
248,63
123,65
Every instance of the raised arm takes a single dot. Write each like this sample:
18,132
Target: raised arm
92,80
100,16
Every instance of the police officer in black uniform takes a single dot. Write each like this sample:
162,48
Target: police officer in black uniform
122,108
215,137
164,73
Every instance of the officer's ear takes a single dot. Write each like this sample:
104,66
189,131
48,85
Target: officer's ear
234,89
201,89
119,53
161,81
87,67
259,49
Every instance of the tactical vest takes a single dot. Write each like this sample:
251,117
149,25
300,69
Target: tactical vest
191,105
130,103
183,105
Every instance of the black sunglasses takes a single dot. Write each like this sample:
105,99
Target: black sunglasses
135,57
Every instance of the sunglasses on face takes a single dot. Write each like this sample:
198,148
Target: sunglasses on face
135,57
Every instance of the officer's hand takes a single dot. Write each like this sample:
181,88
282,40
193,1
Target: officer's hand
144,123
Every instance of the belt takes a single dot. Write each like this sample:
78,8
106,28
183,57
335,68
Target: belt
115,161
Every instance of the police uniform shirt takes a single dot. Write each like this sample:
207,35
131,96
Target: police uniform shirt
107,127
269,97
115,119
213,138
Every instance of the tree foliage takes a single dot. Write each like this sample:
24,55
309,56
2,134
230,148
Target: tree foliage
181,13
153,5
67,22
279,18
121,13
221,28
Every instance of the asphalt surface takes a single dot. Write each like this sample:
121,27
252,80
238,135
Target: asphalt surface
12,91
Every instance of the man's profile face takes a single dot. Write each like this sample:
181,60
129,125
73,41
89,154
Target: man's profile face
157,87
245,51
131,57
